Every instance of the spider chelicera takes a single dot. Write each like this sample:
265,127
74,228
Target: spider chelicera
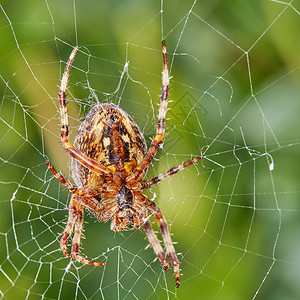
109,161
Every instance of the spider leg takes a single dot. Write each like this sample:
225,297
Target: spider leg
69,228
84,198
61,178
146,184
158,138
163,227
75,219
77,236
153,240
74,152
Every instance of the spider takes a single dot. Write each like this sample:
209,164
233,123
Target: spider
109,161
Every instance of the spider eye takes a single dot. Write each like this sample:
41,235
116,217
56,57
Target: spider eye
124,197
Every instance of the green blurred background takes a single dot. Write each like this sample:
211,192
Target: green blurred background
235,91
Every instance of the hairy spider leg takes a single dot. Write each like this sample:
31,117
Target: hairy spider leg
158,138
74,152
86,198
62,179
77,236
75,219
153,240
146,184
69,228
163,227
76,210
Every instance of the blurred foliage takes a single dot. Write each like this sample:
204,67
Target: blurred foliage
235,92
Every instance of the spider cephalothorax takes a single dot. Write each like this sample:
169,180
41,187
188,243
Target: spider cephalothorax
109,161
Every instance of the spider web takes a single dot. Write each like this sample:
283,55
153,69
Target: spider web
235,215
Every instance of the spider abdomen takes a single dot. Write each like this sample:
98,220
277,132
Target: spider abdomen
109,136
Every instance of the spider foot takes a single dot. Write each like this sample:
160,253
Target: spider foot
177,281
79,258
65,251
176,274
164,261
87,262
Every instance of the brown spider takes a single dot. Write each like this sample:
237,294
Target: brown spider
109,162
